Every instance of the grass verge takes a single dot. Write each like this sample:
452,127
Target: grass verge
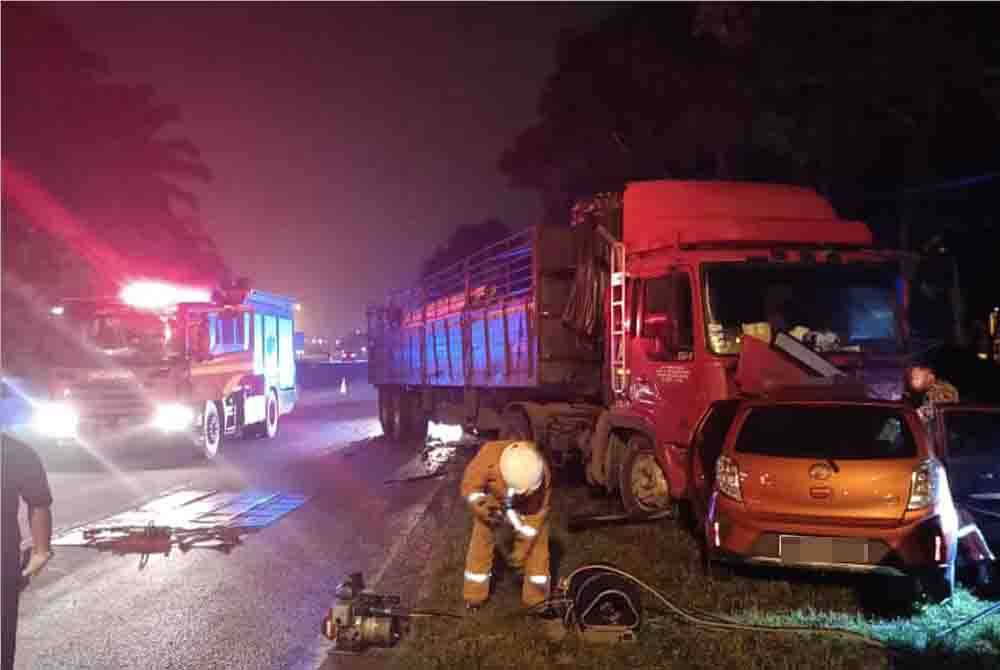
665,555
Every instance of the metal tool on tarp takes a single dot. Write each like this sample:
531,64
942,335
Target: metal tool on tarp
187,519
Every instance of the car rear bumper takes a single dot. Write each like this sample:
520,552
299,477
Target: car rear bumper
925,543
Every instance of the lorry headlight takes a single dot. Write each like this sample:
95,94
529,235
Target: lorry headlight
173,417
55,419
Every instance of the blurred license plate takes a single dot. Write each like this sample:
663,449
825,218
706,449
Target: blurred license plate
798,549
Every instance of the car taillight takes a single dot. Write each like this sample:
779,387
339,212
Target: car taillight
727,478
925,484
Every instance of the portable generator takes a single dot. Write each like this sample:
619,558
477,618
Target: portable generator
360,618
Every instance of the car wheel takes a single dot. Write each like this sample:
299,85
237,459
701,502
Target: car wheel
211,431
644,487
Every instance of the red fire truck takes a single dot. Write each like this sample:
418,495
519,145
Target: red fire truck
196,364
607,340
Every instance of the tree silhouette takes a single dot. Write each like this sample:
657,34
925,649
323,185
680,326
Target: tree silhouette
99,148
829,95
466,240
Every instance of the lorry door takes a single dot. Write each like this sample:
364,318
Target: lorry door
663,386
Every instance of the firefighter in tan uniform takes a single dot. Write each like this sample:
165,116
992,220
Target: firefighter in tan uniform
508,483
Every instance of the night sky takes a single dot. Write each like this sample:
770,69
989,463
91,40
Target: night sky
346,140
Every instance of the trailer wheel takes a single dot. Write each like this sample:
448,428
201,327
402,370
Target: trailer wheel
644,487
515,425
212,431
388,412
415,419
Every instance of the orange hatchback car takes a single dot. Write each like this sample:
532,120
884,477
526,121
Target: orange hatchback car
838,485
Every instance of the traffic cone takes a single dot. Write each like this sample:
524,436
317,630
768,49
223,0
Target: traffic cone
343,385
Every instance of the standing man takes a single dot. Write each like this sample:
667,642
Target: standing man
23,479
508,482
926,391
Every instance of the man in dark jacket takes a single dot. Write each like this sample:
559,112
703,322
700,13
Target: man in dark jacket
24,479
925,391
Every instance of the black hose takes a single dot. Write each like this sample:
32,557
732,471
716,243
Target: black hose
718,623
992,609
433,613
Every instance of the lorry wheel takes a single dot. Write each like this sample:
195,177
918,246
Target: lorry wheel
211,431
271,416
416,419
515,425
644,487
388,412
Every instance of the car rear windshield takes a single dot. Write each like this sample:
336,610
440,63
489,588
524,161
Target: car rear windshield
853,433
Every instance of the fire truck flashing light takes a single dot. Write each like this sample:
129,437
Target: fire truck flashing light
160,295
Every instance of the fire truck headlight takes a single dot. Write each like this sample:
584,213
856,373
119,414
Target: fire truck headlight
173,417
56,419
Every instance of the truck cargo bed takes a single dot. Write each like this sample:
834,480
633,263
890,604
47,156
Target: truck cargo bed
491,321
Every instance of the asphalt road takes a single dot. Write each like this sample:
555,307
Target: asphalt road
260,606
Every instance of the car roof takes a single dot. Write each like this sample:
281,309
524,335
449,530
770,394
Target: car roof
822,402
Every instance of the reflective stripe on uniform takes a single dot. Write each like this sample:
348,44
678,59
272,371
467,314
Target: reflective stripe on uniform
476,495
540,580
478,577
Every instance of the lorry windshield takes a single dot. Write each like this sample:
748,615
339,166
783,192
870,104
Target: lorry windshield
832,308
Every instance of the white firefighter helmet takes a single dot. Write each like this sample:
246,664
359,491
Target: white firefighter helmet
521,467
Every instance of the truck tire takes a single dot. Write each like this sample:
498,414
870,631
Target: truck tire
272,412
267,428
388,412
644,487
515,425
212,431
415,419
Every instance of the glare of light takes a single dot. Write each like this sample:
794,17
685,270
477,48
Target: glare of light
173,417
159,295
444,432
55,419
58,310
298,307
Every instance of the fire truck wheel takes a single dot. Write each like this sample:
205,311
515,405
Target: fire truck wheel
644,487
211,430
388,412
271,415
